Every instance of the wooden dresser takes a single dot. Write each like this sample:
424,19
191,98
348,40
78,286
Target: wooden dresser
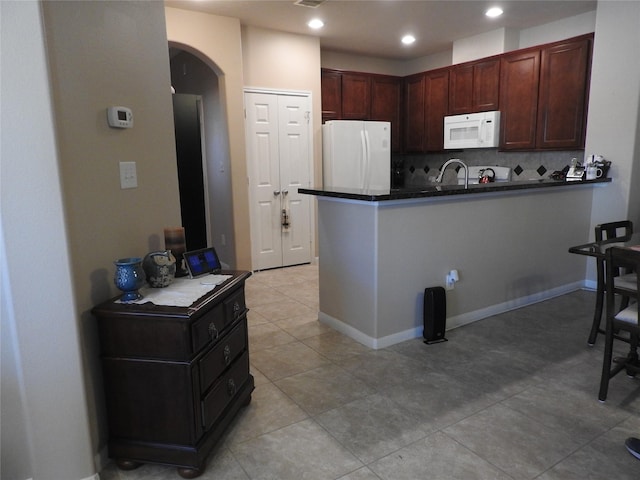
174,377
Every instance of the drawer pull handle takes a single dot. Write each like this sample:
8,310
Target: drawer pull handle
231,387
227,354
213,331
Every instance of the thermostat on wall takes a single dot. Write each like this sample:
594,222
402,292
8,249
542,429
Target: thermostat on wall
120,117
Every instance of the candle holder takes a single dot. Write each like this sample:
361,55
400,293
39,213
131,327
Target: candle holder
174,240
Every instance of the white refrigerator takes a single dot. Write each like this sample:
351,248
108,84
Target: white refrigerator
356,154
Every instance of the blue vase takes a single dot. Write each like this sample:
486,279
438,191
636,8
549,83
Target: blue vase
129,278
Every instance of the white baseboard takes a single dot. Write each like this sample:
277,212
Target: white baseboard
452,322
101,460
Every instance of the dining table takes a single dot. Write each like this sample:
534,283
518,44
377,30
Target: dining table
597,250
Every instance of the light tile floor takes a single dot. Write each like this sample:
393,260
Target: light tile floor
513,396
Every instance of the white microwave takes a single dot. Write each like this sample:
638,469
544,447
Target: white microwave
472,130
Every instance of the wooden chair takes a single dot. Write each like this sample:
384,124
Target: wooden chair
620,319
612,231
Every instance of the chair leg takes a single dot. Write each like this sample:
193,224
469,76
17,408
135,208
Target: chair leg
606,365
597,316
632,358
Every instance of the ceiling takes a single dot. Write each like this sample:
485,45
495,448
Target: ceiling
374,27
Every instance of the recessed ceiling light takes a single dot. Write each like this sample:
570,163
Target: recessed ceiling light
493,12
316,23
408,39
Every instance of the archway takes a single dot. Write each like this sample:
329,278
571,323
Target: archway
194,77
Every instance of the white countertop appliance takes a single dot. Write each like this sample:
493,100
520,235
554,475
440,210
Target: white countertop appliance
472,130
356,154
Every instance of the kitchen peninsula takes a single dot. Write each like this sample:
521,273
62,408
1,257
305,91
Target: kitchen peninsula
379,250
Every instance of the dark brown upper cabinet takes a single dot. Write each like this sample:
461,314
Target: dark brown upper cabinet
385,105
426,103
414,113
436,85
331,90
474,87
563,95
543,96
363,96
519,78
356,96
541,93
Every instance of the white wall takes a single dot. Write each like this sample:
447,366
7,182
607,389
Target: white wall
485,45
192,75
466,49
558,30
284,61
509,248
400,68
217,41
45,432
614,109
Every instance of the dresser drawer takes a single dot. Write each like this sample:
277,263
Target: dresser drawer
223,392
222,355
208,328
234,306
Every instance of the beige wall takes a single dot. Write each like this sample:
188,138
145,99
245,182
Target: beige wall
44,417
102,54
283,61
216,41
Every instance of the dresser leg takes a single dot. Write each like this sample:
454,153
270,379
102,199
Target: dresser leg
189,472
127,464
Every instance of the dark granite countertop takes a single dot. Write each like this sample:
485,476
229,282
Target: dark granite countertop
443,190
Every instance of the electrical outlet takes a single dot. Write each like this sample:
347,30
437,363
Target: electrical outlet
449,283
128,175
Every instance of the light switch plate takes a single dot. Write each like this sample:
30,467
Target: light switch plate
128,175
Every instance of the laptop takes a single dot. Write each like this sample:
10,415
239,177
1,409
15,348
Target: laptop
202,262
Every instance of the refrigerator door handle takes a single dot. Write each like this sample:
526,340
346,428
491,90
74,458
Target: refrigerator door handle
367,160
363,159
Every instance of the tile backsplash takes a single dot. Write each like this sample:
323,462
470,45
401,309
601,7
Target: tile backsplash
417,169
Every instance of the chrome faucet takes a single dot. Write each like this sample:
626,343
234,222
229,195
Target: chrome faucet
449,162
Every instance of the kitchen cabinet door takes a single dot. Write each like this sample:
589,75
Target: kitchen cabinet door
385,105
414,113
331,90
356,96
564,74
519,79
486,85
474,87
436,106
461,89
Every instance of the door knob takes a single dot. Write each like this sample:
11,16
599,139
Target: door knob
284,192
276,193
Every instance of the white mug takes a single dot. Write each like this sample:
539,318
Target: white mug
593,172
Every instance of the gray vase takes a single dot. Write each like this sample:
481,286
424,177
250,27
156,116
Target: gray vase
159,268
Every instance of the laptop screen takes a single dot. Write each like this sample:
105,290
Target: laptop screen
201,262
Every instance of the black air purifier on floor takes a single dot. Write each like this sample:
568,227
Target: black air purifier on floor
435,315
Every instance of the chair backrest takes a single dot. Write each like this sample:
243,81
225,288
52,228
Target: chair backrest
617,258
612,230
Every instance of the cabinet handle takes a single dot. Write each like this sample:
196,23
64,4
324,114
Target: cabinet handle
213,331
231,387
227,354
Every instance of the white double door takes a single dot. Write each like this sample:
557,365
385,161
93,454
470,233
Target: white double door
279,162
